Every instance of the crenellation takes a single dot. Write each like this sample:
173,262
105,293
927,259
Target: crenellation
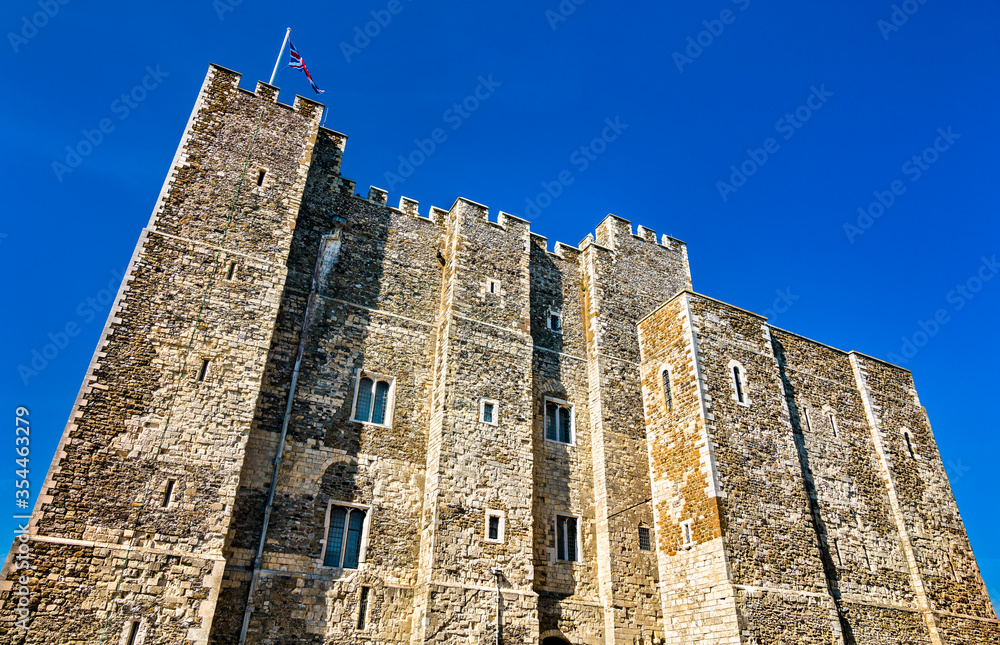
409,206
647,234
378,195
266,92
560,433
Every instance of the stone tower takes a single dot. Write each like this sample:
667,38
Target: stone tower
315,418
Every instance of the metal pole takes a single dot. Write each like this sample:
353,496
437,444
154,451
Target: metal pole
280,52
303,337
497,573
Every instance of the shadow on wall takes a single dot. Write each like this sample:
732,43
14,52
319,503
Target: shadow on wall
822,536
298,519
555,580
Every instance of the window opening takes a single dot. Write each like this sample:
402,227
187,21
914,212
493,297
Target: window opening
645,544
260,177
668,398
343,539
133,633
566,538
686,533
372,402
169,493
203,372
558,421
363,607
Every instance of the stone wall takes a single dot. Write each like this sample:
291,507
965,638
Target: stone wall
813,491
811,521
111,548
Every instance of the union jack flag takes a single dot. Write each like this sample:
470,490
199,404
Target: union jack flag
297,63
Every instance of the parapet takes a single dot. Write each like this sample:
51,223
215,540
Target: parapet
308,108
614,230
611,234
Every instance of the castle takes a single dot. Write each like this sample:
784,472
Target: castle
315,418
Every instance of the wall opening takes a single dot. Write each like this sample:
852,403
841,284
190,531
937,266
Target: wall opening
169,493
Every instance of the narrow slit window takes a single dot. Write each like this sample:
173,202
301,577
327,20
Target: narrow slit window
686,533
168,493
868,560
645,544
833,424
567,547
738,383
203,372
836,551
668,397
231,273
805,415
133,633
494,531
909,445
363,607
260,177
954,571
492,286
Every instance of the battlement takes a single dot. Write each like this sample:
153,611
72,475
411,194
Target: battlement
612,232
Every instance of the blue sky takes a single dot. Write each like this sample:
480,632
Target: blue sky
753,131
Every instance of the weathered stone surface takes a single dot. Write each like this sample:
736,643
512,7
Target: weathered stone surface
796,516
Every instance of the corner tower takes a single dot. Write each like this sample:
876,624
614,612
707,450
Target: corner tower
130,523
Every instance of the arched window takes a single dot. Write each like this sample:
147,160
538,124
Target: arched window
373,399
345,531
832,417
738,376
668,395
908,440
559,421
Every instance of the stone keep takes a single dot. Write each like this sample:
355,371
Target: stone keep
727,481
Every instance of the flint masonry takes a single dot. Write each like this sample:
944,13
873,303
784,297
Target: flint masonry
315,418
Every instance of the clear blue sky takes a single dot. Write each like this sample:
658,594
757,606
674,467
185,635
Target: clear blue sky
863,100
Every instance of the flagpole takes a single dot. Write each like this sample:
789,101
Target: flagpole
280,52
